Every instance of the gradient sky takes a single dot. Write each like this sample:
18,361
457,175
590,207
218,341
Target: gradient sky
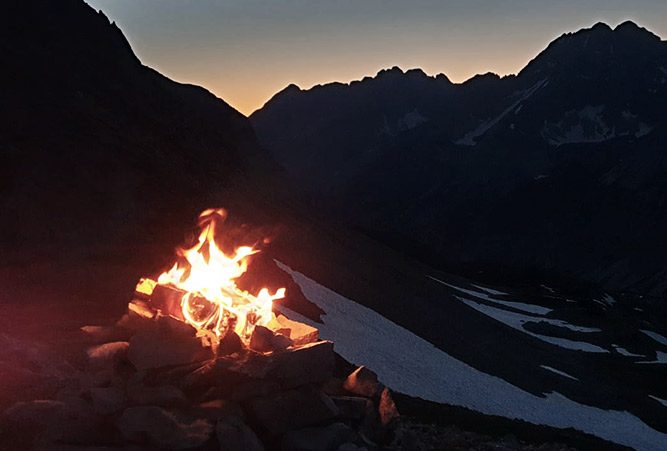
246,50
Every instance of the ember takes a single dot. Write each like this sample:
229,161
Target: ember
210,299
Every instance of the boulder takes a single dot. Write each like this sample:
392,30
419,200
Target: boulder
292,409
387,409
156,349
352,407
162,429
265,340
234,435
327,438
108,354
363,382
106,334
48,421
299,333
161,395
107,400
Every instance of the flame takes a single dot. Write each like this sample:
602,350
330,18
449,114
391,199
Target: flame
212,300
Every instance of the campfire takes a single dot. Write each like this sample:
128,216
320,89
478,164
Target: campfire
199,363
204,283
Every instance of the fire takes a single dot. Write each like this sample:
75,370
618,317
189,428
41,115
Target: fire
212,301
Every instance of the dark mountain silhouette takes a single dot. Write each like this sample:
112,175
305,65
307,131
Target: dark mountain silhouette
558,171
96,147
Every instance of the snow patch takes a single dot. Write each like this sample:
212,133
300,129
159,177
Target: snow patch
656,336
517,321
660,358
411,365
470,138
529,308
559,372
661,401
584,126
490,290
625,352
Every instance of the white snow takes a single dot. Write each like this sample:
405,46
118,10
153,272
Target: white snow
656,336
414,366
490,290
517,321
411,120
644,129
584,126
660,358
540,177
664,70
469,139
625,352
559,372
529,308
661,401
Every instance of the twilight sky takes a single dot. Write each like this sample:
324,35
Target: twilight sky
246,50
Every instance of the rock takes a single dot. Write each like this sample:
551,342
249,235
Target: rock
156,349
264,340
309,364
161,395
172,326
352,407
387,409
107,400
292,409
162,429
363,382
326,438
299,333
108,354
48,421
234,435
230,344
261,339
218,409
106,334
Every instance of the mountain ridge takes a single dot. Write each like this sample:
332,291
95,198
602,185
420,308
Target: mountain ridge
580,125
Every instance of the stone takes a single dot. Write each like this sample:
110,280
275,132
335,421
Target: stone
387,408
47,421
299,333
234,435
161,395
309,364
107,400
265,340
292,409
327,438
106,334
163,429
363,382
261,339
352,407
229,344
107,354
175,327
219,409
156,349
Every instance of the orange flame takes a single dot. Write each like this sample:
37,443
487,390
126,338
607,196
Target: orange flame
212,300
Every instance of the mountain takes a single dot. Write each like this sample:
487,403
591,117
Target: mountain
556,173
97,148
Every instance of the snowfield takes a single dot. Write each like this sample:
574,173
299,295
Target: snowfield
413,366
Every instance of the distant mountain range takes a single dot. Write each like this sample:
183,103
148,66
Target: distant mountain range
559,171
97,148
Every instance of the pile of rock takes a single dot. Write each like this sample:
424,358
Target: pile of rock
151,381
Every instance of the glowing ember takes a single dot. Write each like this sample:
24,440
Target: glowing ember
212,300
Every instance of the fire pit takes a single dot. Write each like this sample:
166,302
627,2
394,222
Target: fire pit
199,363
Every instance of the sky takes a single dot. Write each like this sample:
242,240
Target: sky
245,51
